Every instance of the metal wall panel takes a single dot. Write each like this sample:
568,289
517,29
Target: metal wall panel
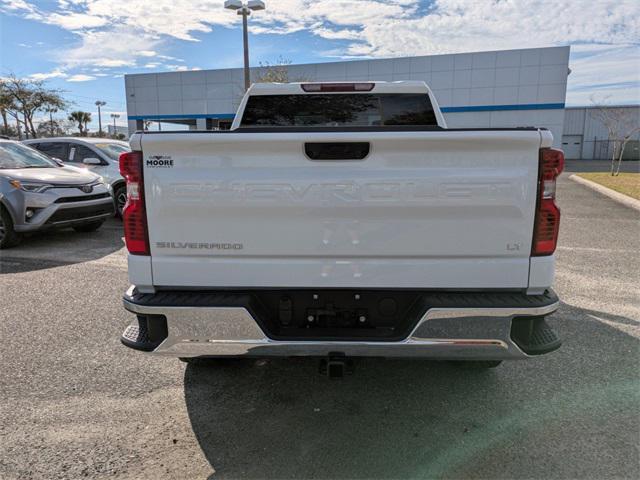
528,86
596,143
574,121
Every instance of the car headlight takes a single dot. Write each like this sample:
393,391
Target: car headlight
30,187
106,184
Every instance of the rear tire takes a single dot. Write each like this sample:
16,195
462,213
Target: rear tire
89,227
8,236
477,364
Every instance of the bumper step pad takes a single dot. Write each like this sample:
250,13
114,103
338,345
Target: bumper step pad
138,338
534,336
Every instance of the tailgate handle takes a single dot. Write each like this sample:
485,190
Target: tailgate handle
336,150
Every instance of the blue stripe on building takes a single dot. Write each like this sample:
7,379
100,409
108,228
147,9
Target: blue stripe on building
475,108
499,108
186,116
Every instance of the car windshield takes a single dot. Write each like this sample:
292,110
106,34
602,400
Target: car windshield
15,155
113,150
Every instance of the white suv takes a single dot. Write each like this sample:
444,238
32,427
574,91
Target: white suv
100,155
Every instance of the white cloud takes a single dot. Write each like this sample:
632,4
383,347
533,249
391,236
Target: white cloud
114,48
344,34
374,27
80,77
123,33
610,72
454,26
112,62
17,5
377,27
168,57
76,21
57,73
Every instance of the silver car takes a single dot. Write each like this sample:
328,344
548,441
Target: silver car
100,155
36,193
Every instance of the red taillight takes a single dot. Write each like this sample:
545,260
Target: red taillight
547,222
134,215
337,87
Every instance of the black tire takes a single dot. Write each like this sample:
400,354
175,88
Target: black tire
89,227
477,364
8,236
120,198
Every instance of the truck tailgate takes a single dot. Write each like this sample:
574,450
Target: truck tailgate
432,210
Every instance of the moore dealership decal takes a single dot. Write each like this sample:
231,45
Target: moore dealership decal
159,161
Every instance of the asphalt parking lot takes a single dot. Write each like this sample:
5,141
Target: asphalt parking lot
74,403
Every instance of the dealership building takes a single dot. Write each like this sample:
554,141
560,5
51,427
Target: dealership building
506,88
585,135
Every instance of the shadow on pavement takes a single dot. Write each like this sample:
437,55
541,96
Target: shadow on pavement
419,419
54,248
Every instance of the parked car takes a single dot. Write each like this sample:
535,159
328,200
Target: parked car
340,220
36,193
100,155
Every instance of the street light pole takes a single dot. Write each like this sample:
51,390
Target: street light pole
51,112
244,9
114,116
99,104
245,42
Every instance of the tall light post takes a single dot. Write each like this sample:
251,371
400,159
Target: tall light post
244,9
115,116
100,103
51,111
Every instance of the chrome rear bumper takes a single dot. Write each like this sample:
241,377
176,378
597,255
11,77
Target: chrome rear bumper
441,333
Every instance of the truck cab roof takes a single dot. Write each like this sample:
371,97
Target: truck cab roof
301,88
372,88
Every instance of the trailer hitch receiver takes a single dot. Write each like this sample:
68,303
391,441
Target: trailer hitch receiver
336,365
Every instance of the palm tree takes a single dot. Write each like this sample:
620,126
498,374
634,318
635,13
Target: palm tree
82,119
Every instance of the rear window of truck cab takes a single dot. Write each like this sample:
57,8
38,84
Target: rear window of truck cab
338,110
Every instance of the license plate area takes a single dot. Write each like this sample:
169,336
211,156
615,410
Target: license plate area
338,314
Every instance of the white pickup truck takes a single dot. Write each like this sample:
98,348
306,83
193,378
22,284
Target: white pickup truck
340,220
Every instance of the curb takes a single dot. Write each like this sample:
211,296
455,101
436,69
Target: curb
612,194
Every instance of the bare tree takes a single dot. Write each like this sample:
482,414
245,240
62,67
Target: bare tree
67,126
6,104
621,124
50,128
57,127
9,107
275,72
29,97
24,97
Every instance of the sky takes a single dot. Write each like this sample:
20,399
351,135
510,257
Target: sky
84,47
